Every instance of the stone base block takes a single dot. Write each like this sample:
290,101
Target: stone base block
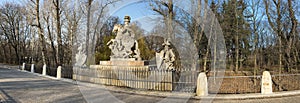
122,59
122,63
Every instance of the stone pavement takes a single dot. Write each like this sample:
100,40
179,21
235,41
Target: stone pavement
24,87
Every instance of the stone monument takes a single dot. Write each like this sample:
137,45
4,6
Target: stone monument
125,67
165,58
124,46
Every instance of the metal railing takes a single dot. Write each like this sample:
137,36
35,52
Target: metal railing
130,77
185,81
151,78
67,72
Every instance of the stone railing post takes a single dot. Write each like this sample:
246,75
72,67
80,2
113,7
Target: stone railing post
32,68
44,70
23,66
266,83
202,87
58,72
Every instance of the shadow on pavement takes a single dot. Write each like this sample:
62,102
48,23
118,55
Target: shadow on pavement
23,87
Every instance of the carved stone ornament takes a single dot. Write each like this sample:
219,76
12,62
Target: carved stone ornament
165,59
80,57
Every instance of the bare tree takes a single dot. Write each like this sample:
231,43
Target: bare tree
291,34
94,22
285,31
47,18
99,22
73,16
255,20
37,23
88,54
11,18
57,16
165,9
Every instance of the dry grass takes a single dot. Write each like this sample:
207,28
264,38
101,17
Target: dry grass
245,82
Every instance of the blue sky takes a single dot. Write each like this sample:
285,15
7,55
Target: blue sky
138,11
135,10
13,1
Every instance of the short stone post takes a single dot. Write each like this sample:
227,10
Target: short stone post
58,72
32,68
44,70
266,83
23,66
202,87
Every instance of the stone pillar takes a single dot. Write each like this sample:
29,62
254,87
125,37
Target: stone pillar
44,70
32,68
266,83
23,66
58,72
202,88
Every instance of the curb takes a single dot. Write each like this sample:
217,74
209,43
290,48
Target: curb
250,96
174,94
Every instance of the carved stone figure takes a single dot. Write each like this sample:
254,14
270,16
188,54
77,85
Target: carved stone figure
80,57
124,45
165,59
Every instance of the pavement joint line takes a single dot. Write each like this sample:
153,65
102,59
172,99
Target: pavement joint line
176,94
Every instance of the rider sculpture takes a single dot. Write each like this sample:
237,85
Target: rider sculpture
124,45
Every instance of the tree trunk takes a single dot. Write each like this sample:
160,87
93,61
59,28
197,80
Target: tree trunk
296,60
236,40
292,33
236,53
170,21
58,28
51,41
5,54
17,54
207,53
88,61
209,46
41,35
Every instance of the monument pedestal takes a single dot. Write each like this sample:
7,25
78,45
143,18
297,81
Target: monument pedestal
123,62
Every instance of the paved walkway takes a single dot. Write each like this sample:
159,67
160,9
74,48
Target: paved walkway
16,86
23,87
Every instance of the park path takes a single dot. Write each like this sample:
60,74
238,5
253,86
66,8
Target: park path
16,86
23,87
